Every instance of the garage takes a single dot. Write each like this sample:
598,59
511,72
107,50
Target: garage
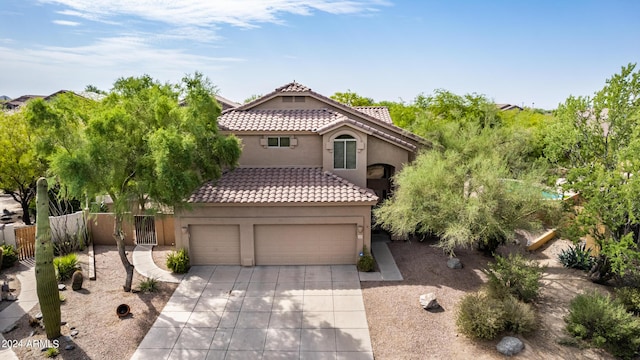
305,244
214,244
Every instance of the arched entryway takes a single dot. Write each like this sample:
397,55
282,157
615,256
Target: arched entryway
379,179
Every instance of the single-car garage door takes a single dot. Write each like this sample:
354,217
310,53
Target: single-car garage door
308,244
214,244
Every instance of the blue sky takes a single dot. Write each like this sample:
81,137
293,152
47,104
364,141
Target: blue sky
519,52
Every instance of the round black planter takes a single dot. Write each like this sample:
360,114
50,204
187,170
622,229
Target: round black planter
123,310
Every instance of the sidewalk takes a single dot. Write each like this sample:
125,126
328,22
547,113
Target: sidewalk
144,265
388,269
27,299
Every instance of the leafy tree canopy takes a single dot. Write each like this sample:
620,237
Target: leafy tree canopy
136,144
476,191
350,98
20,168
599,143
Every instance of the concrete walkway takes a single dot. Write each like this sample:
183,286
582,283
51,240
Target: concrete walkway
262,312
144,265
27,299
388,268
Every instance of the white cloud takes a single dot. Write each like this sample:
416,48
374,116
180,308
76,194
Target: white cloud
242,13
66,22
99,63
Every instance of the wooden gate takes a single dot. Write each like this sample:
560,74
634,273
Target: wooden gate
145,230
26,242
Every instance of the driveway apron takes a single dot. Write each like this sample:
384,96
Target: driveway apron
264,312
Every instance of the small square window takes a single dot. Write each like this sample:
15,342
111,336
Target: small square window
279,141
272,142
287,99
299,99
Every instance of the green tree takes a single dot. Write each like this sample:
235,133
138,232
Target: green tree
350,98
138,145
19,165
93,88
600,146
251,98
475,191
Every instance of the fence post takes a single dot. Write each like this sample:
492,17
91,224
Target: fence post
9,235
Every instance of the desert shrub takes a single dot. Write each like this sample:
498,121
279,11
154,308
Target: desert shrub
366,262
65,266
149,285
52,352
630,298
479,316
519,317
604,323
514,275
9,255
577,257
178,261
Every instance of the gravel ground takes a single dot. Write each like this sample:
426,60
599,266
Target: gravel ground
92,311
401,329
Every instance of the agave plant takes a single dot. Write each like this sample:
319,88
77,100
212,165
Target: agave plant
577,256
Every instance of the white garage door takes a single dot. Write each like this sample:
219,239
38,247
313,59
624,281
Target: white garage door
214,244
309,244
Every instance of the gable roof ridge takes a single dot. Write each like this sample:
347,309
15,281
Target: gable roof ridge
371,118
293,87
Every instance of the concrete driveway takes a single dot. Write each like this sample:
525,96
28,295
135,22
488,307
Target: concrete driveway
264,312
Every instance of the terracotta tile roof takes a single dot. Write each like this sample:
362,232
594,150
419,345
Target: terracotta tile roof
281,185
293,87
378,112
368,129
277,120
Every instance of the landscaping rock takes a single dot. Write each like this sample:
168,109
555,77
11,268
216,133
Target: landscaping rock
429,301
454,263
510,345
39,316
62,287
74,333
69,347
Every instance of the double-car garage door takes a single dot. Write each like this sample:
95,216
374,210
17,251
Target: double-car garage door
275,244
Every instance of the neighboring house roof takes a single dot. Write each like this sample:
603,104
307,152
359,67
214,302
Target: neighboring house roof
4,98
506,107
378,112
21,100
281,185
226,103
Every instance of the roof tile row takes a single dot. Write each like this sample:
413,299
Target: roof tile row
281,185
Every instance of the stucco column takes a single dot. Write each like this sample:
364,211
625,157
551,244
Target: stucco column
247,248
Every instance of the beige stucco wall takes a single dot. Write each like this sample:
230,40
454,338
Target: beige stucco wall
247,217
307,151
100,227
358,176
277,103
382,152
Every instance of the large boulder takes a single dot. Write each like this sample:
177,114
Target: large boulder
429,302
510,345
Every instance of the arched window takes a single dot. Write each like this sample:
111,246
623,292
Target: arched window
344,152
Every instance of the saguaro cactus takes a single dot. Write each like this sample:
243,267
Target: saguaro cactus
46,284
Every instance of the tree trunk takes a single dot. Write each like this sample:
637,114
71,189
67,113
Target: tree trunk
46,283
119,237
26,217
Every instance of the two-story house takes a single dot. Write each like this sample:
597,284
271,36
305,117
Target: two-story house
310,171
